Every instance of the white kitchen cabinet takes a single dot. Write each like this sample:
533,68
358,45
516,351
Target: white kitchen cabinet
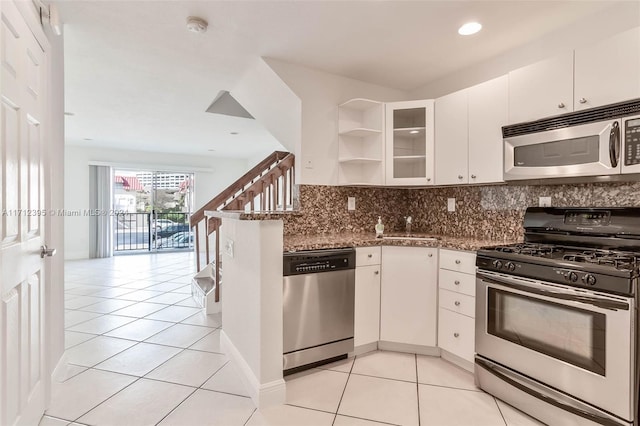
456,302
408,301
409,143
367,305
542,89
361,142
488,112
469,133
452,139
608,71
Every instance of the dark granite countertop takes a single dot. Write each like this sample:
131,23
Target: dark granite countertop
324,241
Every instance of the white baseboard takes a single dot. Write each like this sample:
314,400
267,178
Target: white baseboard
363,349
60,368
262,394
407,348
455,359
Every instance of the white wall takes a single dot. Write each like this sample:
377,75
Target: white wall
618,18
211,176
321,93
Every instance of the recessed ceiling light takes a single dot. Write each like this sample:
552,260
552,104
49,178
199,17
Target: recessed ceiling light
233,133
88,139
469,28
69,114
211,150
414,132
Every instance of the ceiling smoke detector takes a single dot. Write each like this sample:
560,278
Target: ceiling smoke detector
196,25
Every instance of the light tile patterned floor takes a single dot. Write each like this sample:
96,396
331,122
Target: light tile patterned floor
140,353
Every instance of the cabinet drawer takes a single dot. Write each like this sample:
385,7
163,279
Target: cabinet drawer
461,261
458,302
367,256
456,334
457,281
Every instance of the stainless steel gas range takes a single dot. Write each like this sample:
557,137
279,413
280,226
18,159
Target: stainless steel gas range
557,318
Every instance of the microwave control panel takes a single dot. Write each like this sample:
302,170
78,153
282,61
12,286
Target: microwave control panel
632,141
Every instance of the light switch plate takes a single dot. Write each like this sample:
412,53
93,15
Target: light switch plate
451,204
351,203
544,202
228,248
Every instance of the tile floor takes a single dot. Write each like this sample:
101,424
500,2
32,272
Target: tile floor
141,353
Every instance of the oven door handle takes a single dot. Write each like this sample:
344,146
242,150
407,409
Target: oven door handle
599,302
614,144
542,397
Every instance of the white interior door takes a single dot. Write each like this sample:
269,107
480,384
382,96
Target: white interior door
23,377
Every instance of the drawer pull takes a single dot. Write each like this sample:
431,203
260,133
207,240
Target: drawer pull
369,255
376,272
457,261
456,282
456,335
430,255
456,303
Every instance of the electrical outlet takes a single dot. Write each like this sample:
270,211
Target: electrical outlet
351,203
308,164
544,201
451,204
228,248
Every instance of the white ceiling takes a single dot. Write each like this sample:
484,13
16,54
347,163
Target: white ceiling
135,78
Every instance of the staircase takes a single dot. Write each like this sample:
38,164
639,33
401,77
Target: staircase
266,187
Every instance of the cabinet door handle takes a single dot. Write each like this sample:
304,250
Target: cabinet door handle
376,273
456,303
457,261
456,282
561,105
459,176
430,255
582,101
428,179
456,335
369,255
473,176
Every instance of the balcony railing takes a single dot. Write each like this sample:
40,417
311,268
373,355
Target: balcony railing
152,231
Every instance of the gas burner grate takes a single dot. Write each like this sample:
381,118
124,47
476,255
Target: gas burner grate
617,260
528,249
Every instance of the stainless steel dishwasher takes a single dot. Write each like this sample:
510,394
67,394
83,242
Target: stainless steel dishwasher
318,301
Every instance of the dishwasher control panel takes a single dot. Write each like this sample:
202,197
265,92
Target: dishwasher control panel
314,261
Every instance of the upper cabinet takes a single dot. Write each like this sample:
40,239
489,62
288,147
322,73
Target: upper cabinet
468,147
452,139
488,112
542,89
603,73
409,143
361,142
609,71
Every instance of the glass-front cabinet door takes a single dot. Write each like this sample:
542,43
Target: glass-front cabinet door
409,143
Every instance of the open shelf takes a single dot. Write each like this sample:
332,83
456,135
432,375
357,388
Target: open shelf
360,160
360,103
360,132
409,157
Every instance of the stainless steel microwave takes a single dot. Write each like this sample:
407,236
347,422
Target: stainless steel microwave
595,142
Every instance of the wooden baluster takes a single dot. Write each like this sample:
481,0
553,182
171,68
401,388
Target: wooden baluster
206,240
195,229
217,264
262,198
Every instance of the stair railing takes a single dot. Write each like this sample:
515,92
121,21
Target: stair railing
268,186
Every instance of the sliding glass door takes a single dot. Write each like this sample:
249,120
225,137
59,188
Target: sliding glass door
153,210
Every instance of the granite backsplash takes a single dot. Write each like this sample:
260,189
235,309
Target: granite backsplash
492,212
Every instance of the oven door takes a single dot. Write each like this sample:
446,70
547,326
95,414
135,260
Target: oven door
586,150
575,341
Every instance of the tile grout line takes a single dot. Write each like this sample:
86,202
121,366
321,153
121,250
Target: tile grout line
417,389
344,390
495,401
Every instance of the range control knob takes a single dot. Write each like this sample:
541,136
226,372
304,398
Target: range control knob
589,279
510,266
497,264
573,277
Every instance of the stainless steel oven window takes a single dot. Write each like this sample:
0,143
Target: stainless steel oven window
573,335
567,152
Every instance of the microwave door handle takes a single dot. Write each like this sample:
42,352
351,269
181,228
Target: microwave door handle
614,144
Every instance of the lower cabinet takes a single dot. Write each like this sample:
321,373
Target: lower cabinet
367,306
409,295
456,313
